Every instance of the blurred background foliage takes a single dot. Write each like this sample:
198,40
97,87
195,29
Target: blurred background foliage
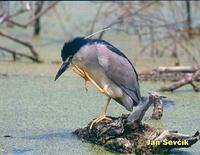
167,30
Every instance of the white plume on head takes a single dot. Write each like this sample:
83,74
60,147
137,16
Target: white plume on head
105,29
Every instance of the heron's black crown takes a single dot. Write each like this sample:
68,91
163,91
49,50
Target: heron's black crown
72,47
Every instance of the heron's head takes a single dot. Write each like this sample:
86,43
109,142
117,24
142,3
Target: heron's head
69,49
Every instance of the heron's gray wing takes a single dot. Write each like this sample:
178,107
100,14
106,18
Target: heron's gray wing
120,70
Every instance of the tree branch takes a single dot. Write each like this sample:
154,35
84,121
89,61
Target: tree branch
15,53
27,44
135,118
5,11
34,18
189,79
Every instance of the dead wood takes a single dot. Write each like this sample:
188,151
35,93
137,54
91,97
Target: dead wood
126,134
136,117
175,69
163,76
158,108
182,75
189,79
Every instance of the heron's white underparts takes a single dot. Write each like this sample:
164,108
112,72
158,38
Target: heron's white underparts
86,77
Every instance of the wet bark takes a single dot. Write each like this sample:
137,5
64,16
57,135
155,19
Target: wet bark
127,134
158,109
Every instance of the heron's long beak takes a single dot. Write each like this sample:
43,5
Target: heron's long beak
63,67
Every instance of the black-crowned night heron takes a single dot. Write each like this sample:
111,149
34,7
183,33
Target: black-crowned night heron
106,67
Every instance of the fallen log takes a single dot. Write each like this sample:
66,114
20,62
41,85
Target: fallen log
189,79
169,73
126,134
156,76
172,69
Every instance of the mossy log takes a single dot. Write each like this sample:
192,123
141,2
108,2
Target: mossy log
126,134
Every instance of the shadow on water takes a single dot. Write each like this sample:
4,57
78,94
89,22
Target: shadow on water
20,150
166,102
65,134
178,152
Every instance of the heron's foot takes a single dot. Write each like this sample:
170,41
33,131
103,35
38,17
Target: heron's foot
99,119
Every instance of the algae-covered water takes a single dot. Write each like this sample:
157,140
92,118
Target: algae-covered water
38,115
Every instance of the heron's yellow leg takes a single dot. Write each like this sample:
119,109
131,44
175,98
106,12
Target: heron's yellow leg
95,84
80,72
86,76
103,116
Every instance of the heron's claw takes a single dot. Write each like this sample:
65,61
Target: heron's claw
99,119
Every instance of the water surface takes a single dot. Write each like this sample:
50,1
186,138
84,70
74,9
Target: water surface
38,115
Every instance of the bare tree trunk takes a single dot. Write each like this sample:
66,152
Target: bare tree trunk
37,26
189,20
